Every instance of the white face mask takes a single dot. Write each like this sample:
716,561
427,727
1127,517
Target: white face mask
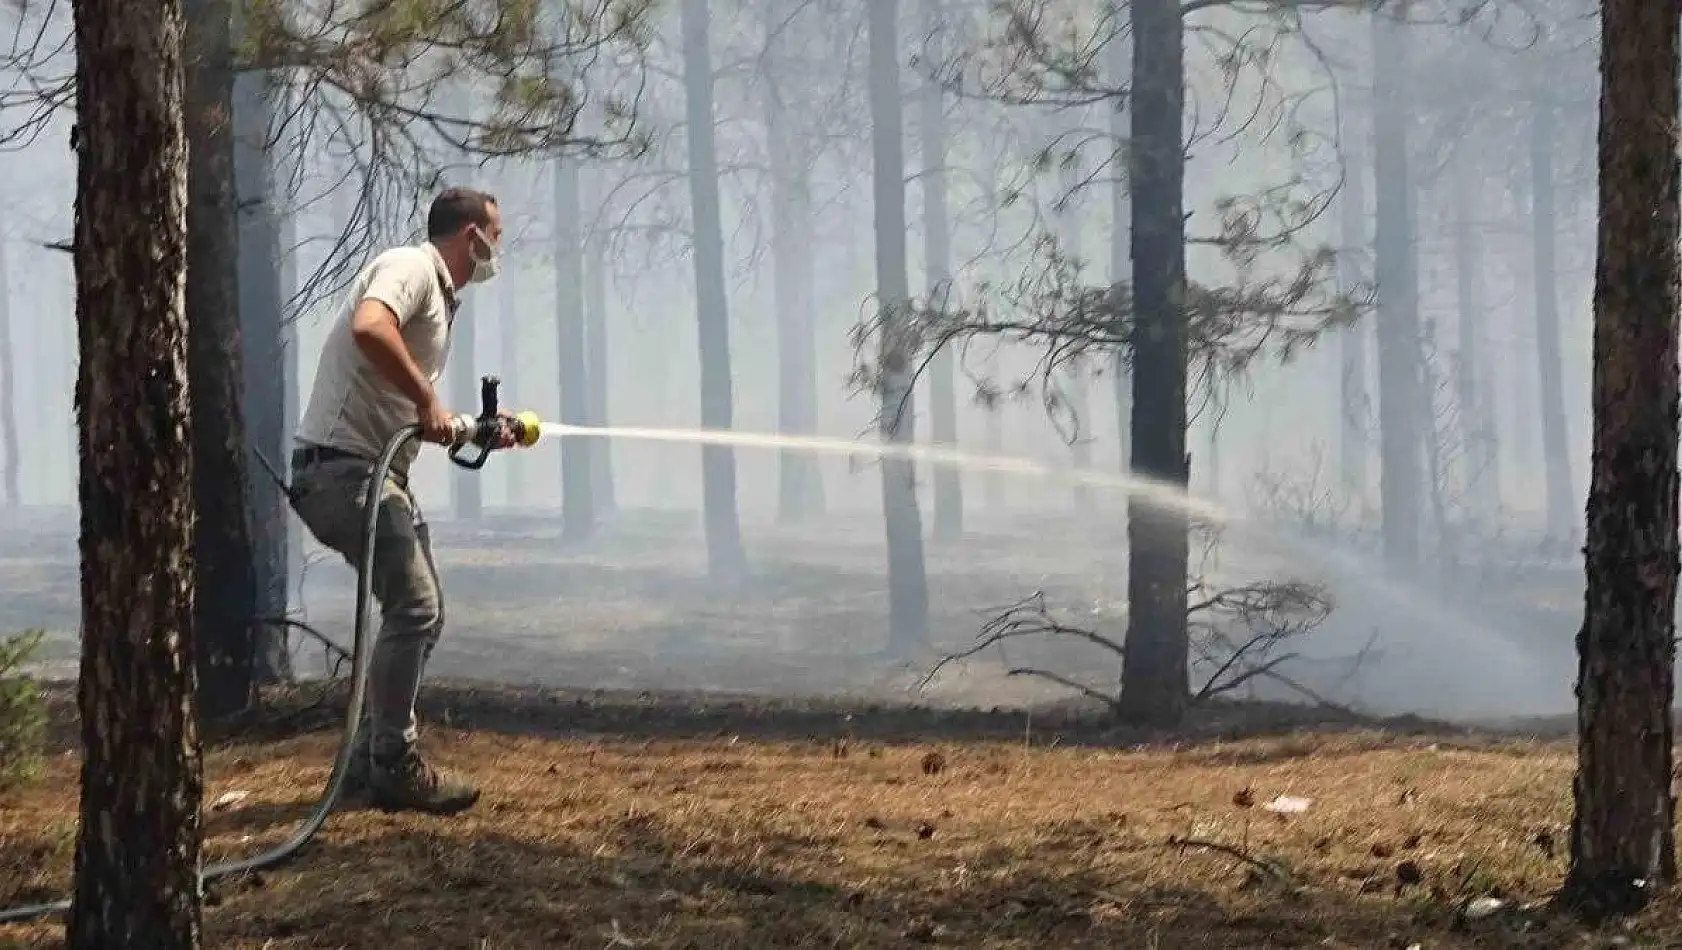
484,267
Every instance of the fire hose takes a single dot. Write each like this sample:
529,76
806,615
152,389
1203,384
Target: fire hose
467,431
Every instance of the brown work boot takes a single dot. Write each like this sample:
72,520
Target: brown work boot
408,783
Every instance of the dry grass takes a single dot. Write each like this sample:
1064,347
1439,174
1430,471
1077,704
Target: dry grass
697,836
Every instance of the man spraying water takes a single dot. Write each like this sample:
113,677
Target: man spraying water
379,365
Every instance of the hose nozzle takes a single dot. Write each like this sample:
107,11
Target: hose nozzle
482,431
528,428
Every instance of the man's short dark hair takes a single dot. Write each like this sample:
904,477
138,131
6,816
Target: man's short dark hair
456,208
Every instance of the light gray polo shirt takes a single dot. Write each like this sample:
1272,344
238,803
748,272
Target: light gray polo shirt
353,407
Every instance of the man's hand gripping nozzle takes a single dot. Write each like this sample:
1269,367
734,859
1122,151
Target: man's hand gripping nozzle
491,429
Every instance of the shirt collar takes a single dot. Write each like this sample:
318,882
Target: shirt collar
445,281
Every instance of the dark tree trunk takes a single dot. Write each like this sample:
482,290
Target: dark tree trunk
1623,831
1556,459
226,611
1154,671
1400,399
596,322
937,262
262,305
137,845
908,592
578,500
725,557
8,380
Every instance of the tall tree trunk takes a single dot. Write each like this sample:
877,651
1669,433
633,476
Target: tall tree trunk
1623,835
596,322
1155,673
908,594
1400,427
509,346
290,285
799,477
1355,402
467,497
1556,460
1074,379
8,380
725,557
137,844
1472,389
1120,67
262,328
578,498
937,265
226,611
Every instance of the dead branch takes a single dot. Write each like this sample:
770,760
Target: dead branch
1028,617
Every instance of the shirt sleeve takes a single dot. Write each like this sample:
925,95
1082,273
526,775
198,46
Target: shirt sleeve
399,281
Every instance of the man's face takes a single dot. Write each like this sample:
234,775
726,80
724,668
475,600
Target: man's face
491,233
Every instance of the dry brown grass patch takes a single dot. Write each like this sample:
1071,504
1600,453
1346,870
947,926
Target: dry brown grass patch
597,842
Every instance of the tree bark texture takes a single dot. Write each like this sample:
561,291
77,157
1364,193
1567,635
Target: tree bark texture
226,607
1154,673
1623,831
137,847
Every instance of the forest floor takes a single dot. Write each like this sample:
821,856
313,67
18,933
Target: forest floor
667,821
671,762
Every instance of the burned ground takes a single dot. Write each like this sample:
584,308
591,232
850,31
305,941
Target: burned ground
666,821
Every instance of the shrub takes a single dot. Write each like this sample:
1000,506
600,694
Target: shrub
23,712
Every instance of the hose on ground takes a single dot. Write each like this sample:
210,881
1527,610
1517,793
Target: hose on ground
353,715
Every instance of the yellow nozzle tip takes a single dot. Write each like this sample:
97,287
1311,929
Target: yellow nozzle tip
531,427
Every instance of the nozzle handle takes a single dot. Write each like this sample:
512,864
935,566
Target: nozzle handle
476,462
483,431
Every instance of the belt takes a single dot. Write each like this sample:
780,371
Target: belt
307,455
